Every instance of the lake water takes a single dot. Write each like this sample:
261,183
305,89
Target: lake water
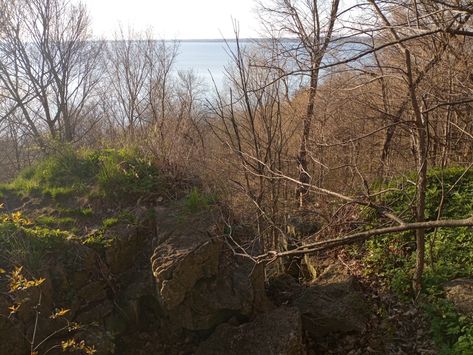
206,59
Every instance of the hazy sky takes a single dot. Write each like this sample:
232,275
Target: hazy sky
170,19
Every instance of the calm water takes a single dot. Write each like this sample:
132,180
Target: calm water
205,59
208,59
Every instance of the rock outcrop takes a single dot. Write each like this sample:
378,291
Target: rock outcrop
200,283
333,304
11,337
278,333
460,293
195,287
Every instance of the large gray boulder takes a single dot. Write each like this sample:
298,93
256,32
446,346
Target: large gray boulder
181,262
200,282
277,333
333,304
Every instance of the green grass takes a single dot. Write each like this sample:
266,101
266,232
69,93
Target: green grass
123,217
79,212
110,222
52,221
197,201
57,175
117,175
98,240
125,175
24,243
449,253
119,178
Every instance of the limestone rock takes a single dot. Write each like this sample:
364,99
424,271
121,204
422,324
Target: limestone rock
200,282
96,313
277,333
460,293
122,253
200,285
283,288
182,261
93,292
333,304
236,290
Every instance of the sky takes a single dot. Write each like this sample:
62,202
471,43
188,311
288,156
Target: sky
174,19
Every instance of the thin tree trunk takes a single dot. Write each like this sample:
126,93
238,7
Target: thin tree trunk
421,157
304,177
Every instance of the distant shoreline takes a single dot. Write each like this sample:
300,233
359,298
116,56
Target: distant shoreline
216,40
204,40
233,40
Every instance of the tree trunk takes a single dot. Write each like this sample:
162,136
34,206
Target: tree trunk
303,164
421,146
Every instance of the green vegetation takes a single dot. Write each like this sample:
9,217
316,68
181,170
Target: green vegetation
197,201
77,212
59,175
449,254
125,174
98,239
116,178
55,221
24,243
117,175
110,222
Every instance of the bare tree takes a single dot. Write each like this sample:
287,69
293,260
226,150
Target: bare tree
48,66
400,21
252,120
410,59
311,24
148,102
129,70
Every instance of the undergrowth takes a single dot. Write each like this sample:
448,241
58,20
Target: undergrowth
24,243
449,252
115,179
198,201
117,175
75,205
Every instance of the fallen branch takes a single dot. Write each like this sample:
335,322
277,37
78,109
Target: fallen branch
380,209
362,236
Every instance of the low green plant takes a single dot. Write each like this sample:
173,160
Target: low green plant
26,296
80,212
59,175
117,175
452,332
98,240
52,221
85,212
110,222
124,174
196,201
449,252
24,243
